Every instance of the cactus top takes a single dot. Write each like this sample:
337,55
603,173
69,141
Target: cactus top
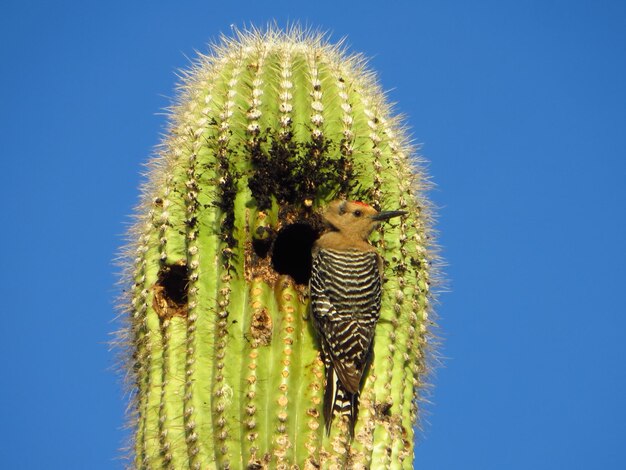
226,373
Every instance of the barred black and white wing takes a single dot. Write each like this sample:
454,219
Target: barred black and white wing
345,292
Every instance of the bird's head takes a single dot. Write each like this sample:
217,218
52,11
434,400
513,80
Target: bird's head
355,219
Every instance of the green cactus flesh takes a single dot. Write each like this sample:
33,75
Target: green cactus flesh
223,360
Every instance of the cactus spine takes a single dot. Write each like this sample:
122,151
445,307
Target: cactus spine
222,358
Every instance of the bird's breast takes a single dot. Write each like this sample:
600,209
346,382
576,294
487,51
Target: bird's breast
349,278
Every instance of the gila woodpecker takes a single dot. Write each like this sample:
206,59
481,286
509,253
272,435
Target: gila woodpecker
345,290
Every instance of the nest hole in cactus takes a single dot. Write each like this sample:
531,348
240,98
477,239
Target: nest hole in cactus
291,253
170,291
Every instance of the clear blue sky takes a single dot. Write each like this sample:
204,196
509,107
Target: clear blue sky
521,109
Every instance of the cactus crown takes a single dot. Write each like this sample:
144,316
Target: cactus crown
222,360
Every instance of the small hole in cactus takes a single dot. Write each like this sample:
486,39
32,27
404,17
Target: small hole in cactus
263,242
292,251
383,410
170,291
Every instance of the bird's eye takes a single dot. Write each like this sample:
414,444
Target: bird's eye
358,213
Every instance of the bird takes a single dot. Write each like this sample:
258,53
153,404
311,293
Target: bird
345,298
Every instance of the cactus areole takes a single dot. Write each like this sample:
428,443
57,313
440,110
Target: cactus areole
222,357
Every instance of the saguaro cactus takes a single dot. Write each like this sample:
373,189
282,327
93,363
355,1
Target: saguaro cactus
225,366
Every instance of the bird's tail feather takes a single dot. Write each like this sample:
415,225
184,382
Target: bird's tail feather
339,402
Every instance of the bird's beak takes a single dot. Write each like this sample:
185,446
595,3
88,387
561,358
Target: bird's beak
386,215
